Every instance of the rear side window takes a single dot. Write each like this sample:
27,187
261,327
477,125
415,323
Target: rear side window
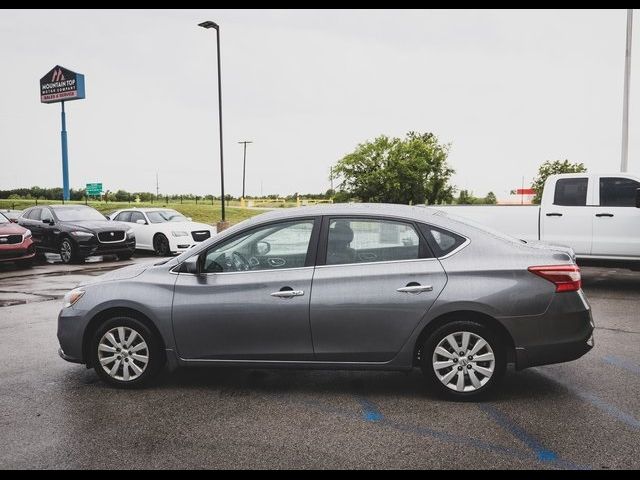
571,192
618,192
442,242
33,214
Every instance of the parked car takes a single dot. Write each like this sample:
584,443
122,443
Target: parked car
16,244
77,232
163,230
386,287
597,215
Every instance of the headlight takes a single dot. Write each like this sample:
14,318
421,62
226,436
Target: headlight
26,235
72,297
130,233
180,234
80,234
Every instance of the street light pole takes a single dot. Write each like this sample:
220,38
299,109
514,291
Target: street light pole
625,104
210,24
244,163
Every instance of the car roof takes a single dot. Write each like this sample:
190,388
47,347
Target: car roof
144,209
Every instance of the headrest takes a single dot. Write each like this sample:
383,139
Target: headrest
341,233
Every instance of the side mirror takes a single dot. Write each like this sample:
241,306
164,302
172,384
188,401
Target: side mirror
141,222
48,221
191,265
638,198
13,220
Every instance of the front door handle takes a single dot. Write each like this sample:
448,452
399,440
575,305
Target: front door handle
287,292
554,214
415,288
604,214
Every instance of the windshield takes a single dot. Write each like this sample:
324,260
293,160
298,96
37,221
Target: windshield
78,214
162,216
3,219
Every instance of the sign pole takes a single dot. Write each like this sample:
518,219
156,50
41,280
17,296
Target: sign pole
65,157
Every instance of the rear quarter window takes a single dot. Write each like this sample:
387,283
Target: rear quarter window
442,242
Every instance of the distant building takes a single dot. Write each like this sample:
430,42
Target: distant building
520,196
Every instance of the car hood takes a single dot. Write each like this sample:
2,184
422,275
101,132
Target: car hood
124,273
11,229
96,225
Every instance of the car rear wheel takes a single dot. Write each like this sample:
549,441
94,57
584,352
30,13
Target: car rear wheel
161,245
125,353
463,360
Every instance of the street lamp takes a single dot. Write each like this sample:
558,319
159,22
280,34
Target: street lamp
244,163
209,24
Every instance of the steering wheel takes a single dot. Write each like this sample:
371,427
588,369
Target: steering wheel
239,262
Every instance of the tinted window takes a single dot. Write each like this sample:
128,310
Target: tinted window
3,219
571,192
618,192
45,214
442,242
123,217
135,216
33,214
276,246
354,240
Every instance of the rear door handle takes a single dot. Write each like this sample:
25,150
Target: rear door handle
554,214
288,293
415,289
604,214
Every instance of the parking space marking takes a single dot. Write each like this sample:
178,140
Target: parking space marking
598,402
543,454
622,363
370,411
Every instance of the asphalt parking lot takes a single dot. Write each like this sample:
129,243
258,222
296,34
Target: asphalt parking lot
584,414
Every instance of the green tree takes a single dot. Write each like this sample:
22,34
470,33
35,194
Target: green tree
551,168
394,170
465,198
490,199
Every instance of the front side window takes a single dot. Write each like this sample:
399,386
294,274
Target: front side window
618,192
45,214
353,240
271,247
3,219
123,217
135,216
571,192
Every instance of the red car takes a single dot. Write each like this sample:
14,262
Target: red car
16,244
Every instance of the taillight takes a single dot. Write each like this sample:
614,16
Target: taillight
566,278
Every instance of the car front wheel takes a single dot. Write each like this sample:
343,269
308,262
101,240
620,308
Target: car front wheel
125,353
69,251
161,245
463,360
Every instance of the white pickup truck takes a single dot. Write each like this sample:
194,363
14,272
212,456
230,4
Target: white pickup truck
596,215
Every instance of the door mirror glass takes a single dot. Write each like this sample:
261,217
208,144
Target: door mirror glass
262,248
191,266
141,222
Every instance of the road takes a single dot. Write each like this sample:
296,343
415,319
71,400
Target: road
583,414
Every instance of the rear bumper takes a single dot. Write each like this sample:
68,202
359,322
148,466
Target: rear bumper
563,333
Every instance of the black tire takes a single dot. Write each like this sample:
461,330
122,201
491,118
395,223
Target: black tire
495,344
161,245
154,353
125,256
69,252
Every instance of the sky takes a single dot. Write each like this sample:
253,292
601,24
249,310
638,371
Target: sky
507,89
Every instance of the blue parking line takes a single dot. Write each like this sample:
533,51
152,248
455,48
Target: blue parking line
543,454
370,411
622,363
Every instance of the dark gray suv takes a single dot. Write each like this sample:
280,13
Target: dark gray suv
359,286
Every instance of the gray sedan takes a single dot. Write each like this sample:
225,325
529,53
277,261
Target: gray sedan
359,286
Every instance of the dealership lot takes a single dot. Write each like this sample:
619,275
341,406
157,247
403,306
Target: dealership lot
583,414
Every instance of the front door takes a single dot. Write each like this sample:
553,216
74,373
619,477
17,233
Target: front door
251,301
378,281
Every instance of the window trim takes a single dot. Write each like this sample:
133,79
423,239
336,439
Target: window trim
311,249
586,178
424,251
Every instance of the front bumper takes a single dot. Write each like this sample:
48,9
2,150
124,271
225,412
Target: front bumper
66,357
94,247
22,251
71,328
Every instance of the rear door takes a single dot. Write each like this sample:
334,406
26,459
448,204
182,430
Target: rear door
374,281
569,220
616,221
31,220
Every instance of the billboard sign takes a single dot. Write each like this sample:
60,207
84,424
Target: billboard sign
61,85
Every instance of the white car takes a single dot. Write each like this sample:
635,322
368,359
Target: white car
163,230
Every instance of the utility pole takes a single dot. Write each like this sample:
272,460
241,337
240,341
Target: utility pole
625,103
157,187
244,163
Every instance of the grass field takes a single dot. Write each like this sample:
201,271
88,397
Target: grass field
202,212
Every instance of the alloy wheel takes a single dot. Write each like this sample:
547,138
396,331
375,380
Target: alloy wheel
464,361
123,354
66,251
